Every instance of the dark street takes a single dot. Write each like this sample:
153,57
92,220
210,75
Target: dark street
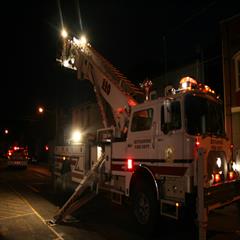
28,201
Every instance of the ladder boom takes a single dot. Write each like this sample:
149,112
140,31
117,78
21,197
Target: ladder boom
108,82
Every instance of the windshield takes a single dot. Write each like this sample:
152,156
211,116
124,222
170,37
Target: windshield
203,116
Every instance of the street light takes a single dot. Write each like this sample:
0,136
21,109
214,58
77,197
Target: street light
6,131
42,110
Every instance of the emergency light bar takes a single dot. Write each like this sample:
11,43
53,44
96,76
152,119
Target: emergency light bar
190,84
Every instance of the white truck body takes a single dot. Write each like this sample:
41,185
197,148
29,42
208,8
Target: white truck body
156,160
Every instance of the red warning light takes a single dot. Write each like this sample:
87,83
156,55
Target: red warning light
231,175
217,178
130,164
197,143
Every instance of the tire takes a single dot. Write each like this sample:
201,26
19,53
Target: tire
145,208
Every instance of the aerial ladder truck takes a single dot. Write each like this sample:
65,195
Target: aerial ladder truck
168,155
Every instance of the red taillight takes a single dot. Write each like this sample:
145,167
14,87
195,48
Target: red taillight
231,175
130,164
46,148
217,178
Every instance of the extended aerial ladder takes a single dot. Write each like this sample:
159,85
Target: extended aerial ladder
109,85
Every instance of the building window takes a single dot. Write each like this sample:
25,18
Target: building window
237,71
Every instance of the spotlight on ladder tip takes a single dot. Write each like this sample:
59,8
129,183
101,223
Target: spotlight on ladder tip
64,33
81,42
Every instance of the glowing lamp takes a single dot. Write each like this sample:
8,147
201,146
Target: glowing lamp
231,175
40,110
236,167
197,143
187,83
65,63
217,178
219,162
130,164
76,137
64,33
83,40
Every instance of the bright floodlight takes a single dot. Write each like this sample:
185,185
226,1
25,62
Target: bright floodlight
76,136
236,167
64,33
184,85
219,162
65,63
83,40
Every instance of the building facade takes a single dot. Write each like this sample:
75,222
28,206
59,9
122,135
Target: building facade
230,30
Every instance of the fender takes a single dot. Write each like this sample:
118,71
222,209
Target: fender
145,172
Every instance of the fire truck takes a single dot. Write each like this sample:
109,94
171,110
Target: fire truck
157,152
17,157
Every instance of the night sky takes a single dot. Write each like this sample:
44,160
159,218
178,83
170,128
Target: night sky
128,33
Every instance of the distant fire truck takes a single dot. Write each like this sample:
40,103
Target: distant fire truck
17,157
150,153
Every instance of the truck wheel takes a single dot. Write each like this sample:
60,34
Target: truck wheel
145,207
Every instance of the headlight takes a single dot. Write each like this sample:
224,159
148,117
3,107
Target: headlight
235,167
219,162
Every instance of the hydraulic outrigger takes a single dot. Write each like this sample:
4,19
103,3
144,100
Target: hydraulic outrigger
76,200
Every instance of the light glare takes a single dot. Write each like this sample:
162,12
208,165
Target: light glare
219,162
65,63
83,40
40,110
64,33
76,136
236,167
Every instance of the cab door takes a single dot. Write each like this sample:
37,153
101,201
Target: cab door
141,143
170,139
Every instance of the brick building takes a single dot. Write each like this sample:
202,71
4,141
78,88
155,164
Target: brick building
230,30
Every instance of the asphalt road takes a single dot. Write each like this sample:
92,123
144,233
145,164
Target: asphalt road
27,201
